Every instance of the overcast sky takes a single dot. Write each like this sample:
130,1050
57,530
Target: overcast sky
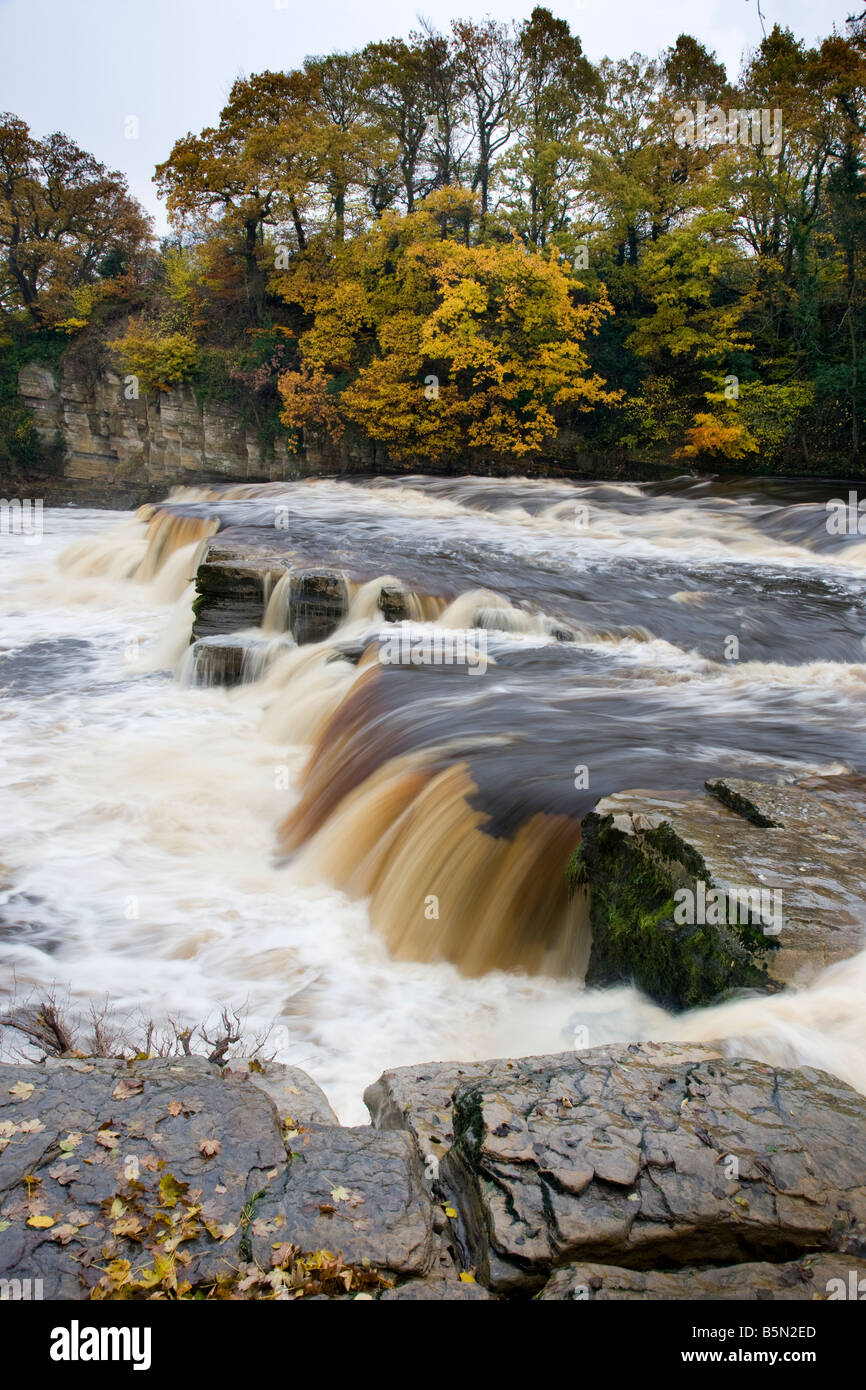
86,66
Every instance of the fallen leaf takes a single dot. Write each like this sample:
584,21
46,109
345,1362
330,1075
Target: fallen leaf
129,1226
72,1140
326,1209
64,1233
466,1277
41,1222
63,1172
21,1090
340,1194
31,1127
450,1212
209,1147
127,1087
174,1107
108,1138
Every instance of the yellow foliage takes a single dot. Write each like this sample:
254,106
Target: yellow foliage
710,435
447,346
158,360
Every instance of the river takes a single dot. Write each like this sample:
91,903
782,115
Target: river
173,848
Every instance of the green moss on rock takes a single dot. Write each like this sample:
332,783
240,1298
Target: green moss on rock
633,877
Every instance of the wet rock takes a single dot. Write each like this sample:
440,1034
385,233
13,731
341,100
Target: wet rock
296,1095
222,661
814,1277
638,1156
319,603
442,1284
395,603
784,862
78,1136
419,1098
217,662
356,1192
351,651
231,593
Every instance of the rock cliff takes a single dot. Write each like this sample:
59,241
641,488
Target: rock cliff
167,438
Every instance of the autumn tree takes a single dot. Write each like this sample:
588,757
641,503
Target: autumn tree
446,347
541,168
65,220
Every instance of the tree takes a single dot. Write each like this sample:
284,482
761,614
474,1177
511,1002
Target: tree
446,347
488,59
397,94
541,168
62,216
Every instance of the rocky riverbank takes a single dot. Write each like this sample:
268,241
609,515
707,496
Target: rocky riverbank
648,1171
105,447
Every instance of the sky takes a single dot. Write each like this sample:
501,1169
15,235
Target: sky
126,78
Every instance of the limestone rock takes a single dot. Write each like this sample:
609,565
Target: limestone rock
813,1277
231,593
319,603
785,861
80,1134
295,1094
635,1156
623,1155
356,1192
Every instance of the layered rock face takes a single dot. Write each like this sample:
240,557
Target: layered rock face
160,440
648,1171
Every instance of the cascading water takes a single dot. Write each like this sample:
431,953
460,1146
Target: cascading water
371,857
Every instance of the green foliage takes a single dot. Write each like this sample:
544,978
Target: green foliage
21,450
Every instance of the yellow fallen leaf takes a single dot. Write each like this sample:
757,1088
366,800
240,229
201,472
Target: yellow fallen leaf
21,1090
340,1194
466,1277
41,1222
450,1212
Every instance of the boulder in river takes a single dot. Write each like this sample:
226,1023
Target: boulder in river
319,603
747,885
232,591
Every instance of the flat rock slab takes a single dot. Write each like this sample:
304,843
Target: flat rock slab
801,846
814,1277
77,1137
652,1153
355,1192
296,1095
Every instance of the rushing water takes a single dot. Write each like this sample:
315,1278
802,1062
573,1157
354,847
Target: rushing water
272,847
